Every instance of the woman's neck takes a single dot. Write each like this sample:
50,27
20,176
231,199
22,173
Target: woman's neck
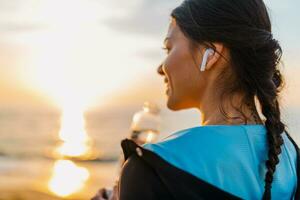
212,113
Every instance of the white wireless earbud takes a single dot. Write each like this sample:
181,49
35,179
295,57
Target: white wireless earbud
208,52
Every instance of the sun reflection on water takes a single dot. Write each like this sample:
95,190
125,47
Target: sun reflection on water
75,141
67,178
72,128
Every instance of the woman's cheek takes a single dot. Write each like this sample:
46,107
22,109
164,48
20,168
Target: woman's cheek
178,68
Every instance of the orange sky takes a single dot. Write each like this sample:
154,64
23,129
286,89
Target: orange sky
50,55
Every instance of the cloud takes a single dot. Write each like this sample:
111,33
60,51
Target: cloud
18,27
284,16
144,20
151,54
15,16
149,17
10,5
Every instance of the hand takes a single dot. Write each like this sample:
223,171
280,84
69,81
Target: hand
102,194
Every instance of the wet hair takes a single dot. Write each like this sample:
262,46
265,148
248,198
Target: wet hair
244,28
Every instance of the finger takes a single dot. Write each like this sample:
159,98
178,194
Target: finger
115,193
97,198
99,194
103,193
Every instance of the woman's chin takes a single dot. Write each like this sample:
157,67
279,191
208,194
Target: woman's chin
176,103
172,103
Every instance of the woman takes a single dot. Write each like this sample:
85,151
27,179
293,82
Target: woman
223,60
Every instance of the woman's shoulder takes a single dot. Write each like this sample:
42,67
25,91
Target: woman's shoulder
206,137
207,145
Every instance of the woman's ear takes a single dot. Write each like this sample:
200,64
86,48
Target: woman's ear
214,57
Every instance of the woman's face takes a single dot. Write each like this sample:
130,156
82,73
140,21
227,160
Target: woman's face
183,78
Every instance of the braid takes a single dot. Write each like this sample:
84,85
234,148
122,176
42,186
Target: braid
270,109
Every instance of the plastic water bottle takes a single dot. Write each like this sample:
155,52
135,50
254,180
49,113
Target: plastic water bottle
145,126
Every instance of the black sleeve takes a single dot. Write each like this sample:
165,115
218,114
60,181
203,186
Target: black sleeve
139,181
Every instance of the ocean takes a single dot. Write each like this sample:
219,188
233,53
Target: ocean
29,168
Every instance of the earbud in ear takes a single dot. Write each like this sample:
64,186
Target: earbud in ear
208,52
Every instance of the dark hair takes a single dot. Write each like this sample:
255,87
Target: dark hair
244,28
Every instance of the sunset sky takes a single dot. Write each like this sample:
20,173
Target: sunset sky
82,52
75,73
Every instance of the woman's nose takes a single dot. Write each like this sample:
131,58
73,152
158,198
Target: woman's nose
160,70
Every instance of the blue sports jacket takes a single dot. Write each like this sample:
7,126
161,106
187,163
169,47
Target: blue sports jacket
209,162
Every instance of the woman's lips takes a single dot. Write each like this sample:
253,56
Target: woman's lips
167,91
166,80
167,85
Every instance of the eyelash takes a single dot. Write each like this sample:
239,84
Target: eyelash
165,49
